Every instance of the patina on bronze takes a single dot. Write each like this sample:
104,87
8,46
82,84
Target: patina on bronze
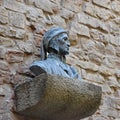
55,46
54,94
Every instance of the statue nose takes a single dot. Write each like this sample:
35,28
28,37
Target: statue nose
68,43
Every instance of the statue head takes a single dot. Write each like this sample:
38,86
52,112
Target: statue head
55,40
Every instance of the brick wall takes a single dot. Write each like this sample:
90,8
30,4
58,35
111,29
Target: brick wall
94,28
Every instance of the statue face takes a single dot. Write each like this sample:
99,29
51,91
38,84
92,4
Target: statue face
64,44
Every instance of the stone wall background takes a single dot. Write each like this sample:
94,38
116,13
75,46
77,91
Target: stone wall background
94,28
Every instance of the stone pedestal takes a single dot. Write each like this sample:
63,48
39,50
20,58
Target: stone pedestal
51,97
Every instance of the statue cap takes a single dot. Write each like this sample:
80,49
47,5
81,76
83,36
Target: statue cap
49,35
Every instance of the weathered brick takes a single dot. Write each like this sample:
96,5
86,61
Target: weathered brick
15,17
14,5
14,56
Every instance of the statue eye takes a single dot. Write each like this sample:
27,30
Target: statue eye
65,38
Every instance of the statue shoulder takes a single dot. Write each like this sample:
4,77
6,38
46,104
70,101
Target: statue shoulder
38,67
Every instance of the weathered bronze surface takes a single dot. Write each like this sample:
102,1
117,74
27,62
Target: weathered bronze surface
57,92
56,44
53,97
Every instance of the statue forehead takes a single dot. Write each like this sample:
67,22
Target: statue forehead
63,35
53,32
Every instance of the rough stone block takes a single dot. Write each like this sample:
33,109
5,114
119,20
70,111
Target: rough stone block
52,97
29,2
114,40
3,11
88,66
95,57
114,29
103,13
7,42
59,21
102,3
14,56
4,66
89,9
26,47
15,33
14,5
67,14
33,14
2,52
115,5
111,62
110,50
99,36
12,32
80,29
45,5
15,17
3,19
105,71
91,21
72,5
96,78
2,30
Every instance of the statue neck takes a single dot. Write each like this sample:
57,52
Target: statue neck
57,57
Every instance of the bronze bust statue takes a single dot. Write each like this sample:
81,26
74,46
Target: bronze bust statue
55,46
